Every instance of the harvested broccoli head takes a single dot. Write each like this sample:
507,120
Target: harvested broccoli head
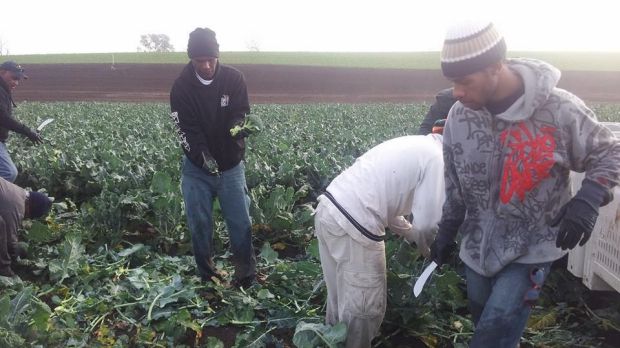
252,124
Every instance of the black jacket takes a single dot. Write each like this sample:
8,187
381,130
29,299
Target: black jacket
439,110
7,122
204,115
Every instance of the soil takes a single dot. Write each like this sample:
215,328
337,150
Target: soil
271,83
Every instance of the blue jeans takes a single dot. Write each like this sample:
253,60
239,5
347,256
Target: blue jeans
199,192
8,170
498,305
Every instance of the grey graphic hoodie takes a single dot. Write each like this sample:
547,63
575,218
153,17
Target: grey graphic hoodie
507,175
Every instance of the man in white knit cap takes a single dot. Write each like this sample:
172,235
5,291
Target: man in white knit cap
510,142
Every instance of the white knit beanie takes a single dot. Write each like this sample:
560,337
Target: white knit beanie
470,47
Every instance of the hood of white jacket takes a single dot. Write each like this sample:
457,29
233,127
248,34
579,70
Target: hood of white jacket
539,79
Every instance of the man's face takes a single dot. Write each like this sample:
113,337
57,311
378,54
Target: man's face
10,78
477,89
205,66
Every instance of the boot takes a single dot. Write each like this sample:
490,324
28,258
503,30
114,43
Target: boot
19,251
6,271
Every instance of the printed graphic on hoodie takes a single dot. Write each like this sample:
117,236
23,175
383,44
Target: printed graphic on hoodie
528,160
224,101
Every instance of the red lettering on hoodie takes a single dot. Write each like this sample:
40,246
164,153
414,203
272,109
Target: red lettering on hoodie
528,160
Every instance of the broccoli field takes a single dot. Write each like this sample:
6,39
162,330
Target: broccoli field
111,266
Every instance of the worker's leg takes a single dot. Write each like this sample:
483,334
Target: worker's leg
363,292
507,307
8,171
198,194
235,203
333,251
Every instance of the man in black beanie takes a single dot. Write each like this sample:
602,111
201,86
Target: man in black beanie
16,204
206,101
438,111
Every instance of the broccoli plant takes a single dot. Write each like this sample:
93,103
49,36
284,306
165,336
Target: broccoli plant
252,124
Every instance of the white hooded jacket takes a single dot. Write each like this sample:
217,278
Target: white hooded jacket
398,177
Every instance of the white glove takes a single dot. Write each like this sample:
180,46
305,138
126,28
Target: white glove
424,241
401,227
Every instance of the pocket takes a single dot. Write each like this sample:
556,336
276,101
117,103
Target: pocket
325,223
365,294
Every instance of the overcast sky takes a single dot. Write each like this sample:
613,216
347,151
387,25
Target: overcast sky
85,26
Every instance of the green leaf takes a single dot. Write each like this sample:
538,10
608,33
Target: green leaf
264,294
70,259
20,304
40,233
242,314
310,335
138,278
313,248
41,315
268,254
161,183
5,310
185,318
11,339
129,251
214,342
256,338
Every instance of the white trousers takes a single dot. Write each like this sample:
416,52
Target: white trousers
355,277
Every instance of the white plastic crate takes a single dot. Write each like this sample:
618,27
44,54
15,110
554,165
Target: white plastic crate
598,262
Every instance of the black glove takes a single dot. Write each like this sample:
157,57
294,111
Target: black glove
209,164
578,217
242,134
442,248
35,137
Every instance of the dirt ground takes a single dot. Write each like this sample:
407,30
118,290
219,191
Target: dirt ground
271,83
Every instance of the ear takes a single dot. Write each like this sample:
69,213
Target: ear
495,68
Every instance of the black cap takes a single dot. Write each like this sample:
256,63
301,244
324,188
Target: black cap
40,204
202,42
15,68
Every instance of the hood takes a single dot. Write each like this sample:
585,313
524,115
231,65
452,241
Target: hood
437,137
539,79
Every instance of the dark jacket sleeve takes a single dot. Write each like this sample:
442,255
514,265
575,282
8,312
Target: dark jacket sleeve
439,110
8,122
188,127
240,105
454,208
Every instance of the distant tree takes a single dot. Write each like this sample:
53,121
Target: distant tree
155,43
4,51
253,45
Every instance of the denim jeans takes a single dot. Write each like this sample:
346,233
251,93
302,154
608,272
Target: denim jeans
199,192
498,304
8,171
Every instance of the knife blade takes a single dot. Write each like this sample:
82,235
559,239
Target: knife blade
419,284
44,123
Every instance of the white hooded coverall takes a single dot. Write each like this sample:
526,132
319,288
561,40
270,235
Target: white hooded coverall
395,178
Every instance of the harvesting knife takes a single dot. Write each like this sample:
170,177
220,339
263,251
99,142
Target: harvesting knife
44,123
419,284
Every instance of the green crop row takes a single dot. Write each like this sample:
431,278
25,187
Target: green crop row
111,266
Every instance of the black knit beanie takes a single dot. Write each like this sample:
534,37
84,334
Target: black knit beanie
40,204
202,42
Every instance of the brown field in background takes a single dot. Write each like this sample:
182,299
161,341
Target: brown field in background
271,83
